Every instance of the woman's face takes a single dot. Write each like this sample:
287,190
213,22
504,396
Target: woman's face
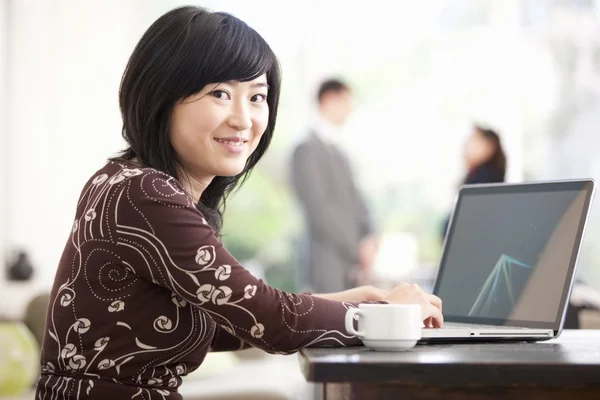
478,149
216,130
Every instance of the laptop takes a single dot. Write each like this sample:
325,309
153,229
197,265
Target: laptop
509,259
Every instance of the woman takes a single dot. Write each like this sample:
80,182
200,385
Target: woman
484,157
144,288
485,161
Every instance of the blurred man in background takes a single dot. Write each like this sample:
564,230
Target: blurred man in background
341,246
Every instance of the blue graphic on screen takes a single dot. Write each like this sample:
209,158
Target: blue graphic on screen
502,286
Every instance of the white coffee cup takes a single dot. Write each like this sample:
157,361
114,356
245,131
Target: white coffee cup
387,327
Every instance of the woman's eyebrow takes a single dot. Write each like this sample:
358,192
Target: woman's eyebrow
254,85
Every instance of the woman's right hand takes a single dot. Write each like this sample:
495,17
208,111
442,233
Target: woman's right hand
411,293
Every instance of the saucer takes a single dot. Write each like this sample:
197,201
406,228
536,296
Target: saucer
389,345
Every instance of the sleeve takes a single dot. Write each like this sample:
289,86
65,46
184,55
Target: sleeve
168,241
323,216
225,341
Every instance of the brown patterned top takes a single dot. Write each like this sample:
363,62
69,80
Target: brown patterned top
144,290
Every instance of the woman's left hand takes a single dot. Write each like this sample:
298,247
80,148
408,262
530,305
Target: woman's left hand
357,294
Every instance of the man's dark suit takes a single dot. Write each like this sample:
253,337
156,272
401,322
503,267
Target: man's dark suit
336,215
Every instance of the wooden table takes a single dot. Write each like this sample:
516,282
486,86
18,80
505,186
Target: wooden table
565,368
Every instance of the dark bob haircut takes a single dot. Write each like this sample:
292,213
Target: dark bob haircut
182,52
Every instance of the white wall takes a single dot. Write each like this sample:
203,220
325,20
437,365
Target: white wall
65,61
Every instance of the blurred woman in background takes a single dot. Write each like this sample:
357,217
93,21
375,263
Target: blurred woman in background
484,157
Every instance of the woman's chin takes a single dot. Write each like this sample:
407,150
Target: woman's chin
231,170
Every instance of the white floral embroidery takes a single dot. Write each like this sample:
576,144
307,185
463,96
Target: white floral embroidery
204,292
99,179
90,215
106,364
162,323
178,301
101,343
77,362
82,325
154,381
116,179
205,255
221,295
223,272
116,306
257,331
75,226
68,351
48,367
66,299
249,291
90,386
180,369
131,172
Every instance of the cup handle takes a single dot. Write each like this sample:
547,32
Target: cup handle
350,322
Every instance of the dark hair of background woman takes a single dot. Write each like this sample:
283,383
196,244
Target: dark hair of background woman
498,158
182,52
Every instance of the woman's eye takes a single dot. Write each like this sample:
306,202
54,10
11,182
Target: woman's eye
220,94
259,98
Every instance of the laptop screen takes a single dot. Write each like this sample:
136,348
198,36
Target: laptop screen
511,251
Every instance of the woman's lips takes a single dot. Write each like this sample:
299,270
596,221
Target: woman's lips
233,145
